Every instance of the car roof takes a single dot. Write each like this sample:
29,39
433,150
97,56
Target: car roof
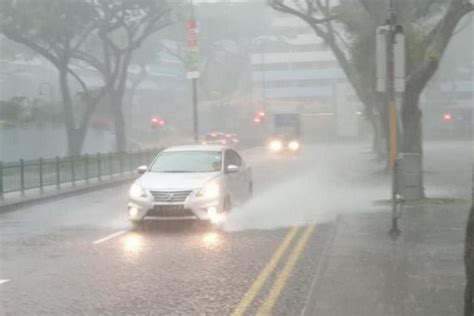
197,148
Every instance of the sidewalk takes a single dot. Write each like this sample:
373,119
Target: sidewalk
421,273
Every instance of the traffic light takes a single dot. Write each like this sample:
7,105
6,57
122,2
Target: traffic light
157,121
259,117
447,117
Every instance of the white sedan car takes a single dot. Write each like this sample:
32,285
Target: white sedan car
190,183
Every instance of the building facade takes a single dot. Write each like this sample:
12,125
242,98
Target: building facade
294,70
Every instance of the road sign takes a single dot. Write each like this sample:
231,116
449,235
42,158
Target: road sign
192,44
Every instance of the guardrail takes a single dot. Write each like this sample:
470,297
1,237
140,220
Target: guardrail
22,175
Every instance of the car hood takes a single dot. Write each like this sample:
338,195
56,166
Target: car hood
175,181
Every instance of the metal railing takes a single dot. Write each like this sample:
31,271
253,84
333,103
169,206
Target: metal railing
22,175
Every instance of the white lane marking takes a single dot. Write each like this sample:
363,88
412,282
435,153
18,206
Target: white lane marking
110,237
4,281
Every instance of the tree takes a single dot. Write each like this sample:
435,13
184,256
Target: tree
349,31
469,263
10,50
121,27
55,29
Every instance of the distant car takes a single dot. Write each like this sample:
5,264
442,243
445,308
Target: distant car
283,144
287,133
220,138
215,138
190,183
232,138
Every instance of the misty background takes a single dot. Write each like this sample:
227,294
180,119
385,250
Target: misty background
251,58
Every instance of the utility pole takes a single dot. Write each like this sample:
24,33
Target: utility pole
393,119
390,80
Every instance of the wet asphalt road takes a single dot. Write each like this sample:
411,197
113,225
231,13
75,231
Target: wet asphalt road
78,255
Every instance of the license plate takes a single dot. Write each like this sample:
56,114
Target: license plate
168,208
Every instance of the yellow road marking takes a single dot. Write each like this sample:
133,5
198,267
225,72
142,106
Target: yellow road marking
284,274
262,277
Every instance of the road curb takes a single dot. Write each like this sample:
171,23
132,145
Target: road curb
9,207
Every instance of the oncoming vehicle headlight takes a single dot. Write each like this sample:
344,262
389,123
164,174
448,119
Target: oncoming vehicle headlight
209,191
294,145
276,145
137,191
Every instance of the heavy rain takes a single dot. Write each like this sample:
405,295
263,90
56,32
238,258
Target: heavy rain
236,157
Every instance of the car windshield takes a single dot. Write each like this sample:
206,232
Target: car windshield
187,161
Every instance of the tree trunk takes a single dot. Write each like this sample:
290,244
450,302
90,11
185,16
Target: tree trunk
117,93
119,121
378,145
411,121
75,139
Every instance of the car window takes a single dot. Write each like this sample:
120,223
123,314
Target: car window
188,161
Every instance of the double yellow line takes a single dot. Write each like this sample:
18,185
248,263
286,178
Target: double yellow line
282,277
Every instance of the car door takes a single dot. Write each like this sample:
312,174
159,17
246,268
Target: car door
243,179
236,181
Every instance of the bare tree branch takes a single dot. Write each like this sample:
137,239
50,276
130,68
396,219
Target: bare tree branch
14,36
84,37
438,39
89,59
173,53
280,6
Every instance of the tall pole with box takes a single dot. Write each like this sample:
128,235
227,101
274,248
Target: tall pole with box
390,62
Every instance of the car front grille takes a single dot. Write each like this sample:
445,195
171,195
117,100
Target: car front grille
170,211
170,196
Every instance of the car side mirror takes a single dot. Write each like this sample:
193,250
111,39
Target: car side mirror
142,169
232,169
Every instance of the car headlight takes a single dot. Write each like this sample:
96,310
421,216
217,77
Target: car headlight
210,191
276,145
137,191
294,145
